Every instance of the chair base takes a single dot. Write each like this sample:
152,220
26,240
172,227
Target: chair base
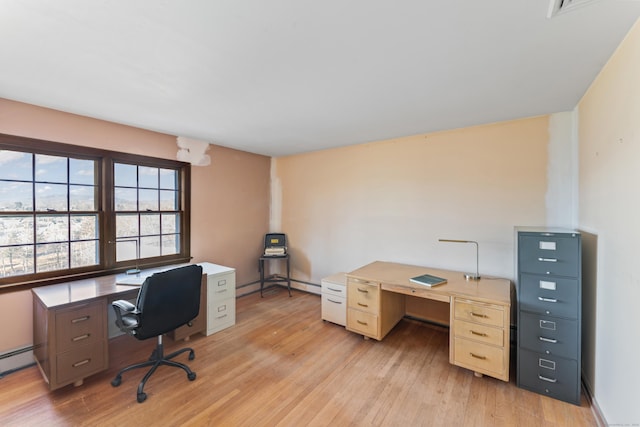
156,359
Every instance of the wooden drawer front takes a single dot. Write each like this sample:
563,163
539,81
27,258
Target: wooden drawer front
480,333
334,309
554,376
479,313
555,254
76,364
80,326
479,357
549,335
221,287
364,296
363,323
335,289
220,315
549,295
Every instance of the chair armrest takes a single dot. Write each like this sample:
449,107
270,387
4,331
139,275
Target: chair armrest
123,306
126,316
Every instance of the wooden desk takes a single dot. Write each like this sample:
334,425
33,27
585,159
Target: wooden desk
479,312
70,325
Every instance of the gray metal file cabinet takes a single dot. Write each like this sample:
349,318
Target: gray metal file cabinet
549,311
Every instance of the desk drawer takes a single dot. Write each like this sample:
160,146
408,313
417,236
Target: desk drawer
479,333
363,323
363,296
476,312
80,326
482,358
76,364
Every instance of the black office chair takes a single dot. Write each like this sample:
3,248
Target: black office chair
166,301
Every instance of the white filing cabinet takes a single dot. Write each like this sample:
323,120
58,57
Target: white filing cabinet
221,296
334,299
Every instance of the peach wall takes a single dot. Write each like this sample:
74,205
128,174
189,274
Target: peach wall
230,197
391,200
609,134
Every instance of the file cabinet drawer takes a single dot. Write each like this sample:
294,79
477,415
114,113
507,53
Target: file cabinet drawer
221,287
334,309
552,376
549,335
220,314
473,311
553,296
549,255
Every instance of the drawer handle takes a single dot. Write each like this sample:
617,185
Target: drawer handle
547,299
480,334
484,316
335,302
335,290
363,305
80,319
551,340
549,380
80,363
221,291
81,337
222,282
548,259
362,323
478,357
221,317
364,291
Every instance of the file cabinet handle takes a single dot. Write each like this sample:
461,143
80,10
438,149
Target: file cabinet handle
80,319
547,299
363,305
80,363
335,302
362,323
81,337
364,291
550,340
480,334
549,380
484,316
548,259
335,290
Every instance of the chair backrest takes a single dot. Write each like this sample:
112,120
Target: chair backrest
168,300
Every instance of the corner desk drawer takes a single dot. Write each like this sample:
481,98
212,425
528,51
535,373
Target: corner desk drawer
80,326
476,312
363,295
479,333
76,364
479,357
363,323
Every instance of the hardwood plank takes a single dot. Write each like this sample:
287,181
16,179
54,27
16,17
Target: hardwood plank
281,365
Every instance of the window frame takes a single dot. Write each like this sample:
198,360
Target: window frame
105,160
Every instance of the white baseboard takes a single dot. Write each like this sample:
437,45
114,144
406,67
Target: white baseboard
16,361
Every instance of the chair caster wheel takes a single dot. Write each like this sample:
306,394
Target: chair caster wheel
191,376
192,355
116,381
142,397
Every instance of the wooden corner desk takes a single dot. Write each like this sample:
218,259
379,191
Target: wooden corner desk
478,312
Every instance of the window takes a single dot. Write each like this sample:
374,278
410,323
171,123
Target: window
69,211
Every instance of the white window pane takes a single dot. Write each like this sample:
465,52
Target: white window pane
16,165
50,257
16,196
52,228
168,200
149,200
84,253
125,175
150,246
168,179
84,227
16,230
126,199
16,260
147,177
127,249
126,225
82,198
51,169
82,171
170,223
51,197
149,224
170,244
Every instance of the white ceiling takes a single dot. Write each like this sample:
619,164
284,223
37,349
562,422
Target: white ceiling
279,77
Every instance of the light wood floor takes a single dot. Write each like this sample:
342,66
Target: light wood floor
281,365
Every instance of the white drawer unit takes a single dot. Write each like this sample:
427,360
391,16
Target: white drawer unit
221,296
334,299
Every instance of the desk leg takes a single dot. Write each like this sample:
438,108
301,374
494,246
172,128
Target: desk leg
288,277
261,268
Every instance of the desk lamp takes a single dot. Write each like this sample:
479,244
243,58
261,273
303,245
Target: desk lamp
468,276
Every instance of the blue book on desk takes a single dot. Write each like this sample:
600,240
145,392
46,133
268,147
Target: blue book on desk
428,280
